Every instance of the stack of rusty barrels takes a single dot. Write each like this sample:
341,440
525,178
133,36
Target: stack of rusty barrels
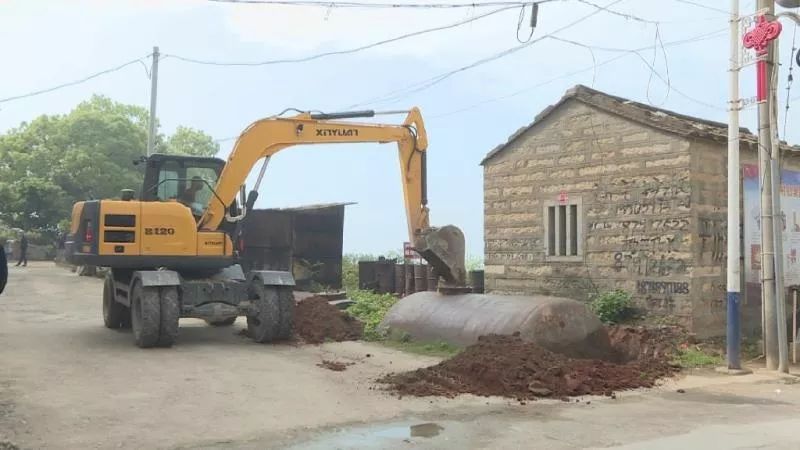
387,276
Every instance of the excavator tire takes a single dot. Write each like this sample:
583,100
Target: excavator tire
222,323
274,308
145,315
286,304
170,313
115,314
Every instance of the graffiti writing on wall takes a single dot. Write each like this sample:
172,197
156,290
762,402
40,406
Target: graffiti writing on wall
664,305
712,233
666,242
662,287
645,263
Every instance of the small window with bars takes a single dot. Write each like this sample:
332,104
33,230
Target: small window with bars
563,230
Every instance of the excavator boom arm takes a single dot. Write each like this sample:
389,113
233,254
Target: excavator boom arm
444,248
267,137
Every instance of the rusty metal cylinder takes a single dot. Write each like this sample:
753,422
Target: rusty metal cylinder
420,278
366,275
399,279
433,279
384,275
409,276
476,281
557,324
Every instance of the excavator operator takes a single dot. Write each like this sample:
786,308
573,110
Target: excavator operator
189,196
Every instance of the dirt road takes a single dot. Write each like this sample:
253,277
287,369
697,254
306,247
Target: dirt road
67,382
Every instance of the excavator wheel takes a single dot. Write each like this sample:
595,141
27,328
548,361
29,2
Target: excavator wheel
145,315
274,309
170,313
286,305
222,323
115,314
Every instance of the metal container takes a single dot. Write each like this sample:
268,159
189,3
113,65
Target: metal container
433,279
420,278
399,279
409,276
476,281
384,276
366,275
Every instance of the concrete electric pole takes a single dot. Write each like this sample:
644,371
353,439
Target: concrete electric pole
733,333
765,69
151,136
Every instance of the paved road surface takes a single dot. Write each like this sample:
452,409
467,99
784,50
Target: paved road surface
66,382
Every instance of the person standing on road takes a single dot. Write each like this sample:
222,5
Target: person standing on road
23,250
3,269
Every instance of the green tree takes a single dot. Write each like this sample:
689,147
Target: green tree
53,161
188,141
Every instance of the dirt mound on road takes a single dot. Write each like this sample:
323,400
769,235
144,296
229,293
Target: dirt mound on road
317,321
636,343
509,367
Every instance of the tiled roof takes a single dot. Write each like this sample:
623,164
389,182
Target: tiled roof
662,119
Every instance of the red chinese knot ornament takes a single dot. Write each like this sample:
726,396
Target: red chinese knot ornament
759,39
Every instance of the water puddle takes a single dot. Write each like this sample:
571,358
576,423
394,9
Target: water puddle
375,436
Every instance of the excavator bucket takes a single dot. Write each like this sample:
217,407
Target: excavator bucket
443,248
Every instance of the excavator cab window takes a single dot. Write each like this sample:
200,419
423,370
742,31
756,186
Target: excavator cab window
187,179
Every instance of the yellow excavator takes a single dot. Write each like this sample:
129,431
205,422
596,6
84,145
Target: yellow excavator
173,252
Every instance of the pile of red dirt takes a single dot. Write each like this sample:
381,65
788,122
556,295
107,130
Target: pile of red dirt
509,367
317,321
638,342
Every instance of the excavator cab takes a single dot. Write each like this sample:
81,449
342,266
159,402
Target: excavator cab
177,177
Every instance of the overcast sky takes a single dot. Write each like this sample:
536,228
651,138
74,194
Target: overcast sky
46,43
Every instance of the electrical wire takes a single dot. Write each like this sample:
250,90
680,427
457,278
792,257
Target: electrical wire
657,42
625,16
706,36
75,82
700,5
519,24
653,70
508,6
352,4
413,88
481,4
790,80
343,52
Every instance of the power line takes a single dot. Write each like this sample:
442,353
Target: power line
789,81
425,84
73,83
351,4
347,51
653,71
700,5
509,6
712,35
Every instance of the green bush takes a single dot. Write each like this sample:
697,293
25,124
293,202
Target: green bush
370,309
612,306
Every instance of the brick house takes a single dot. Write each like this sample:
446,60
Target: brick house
601,192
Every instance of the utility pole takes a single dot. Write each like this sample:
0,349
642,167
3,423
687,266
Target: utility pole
151,136
734,333
767,212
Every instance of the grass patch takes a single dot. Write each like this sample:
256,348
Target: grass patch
370,309
442,349
690,358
